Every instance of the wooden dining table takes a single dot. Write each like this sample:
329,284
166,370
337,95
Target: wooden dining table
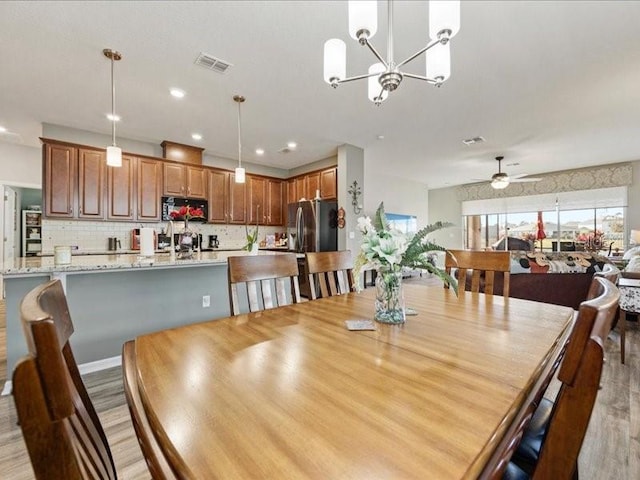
291,393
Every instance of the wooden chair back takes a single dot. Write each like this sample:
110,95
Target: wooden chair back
580,376
266,277
60,426
479,262
156,461
332,272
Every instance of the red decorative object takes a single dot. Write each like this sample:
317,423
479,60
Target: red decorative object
186,213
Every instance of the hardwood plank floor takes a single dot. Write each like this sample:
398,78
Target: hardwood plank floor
611,449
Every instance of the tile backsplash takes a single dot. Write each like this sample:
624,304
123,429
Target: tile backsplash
92,236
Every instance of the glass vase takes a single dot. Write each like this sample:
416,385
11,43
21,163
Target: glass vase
185,242
389,297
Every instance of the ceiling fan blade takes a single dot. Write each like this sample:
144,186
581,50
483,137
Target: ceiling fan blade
519,175
523,180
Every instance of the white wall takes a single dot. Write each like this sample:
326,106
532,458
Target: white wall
399,195
20,165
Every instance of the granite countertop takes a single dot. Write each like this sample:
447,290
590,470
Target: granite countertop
119,261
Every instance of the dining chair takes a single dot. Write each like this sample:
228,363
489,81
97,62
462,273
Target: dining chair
156,461
479,265
266,278
60,426
332,272
552,441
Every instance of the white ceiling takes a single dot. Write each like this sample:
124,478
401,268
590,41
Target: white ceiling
549,85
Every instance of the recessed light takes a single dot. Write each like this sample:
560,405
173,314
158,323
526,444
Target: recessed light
292,144
196,136
176,92
2,129
113,118
473,141
259,151
380,137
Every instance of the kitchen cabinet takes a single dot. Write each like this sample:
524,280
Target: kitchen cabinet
92,166
275,190
329,184
292,197
265,200
149,189
120,183
312,185
134,190
301,187
184,181
227,199
60,164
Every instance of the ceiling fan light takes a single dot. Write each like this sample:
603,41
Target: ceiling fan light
374,85
363,19
335,61
444,17
439,62
114,156
500,181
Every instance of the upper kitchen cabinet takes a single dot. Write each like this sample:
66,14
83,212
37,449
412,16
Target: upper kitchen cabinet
120,186
265,200
149,188
329,184
227,199
74,182
312,185
59,164
184,181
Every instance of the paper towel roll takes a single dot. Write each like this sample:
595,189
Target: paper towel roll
146,242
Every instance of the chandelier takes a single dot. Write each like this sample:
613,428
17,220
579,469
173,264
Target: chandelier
240,171
114,153
386,75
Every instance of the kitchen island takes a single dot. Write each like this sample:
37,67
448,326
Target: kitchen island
114,298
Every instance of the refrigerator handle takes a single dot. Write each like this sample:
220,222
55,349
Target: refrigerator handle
299,230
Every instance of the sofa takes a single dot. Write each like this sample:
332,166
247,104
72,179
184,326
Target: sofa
560,278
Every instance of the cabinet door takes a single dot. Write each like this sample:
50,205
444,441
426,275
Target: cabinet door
91,183
120,181
329,184
291,191
60,163
149,189
274,194
301,187
237,201
218,196
313,185
257,205
196,182
174,180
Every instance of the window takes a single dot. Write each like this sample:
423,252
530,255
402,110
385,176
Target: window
404,223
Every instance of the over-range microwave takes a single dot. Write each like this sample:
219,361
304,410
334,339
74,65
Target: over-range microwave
169,204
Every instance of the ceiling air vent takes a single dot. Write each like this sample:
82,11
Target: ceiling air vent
473,141
212,63
284,150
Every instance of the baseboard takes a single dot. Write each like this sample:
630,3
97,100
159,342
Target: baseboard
85,368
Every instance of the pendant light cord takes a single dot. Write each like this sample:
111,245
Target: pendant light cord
239,139
113,105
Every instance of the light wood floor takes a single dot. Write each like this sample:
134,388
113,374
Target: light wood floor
611,449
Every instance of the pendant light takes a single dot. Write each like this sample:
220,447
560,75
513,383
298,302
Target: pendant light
114,153
240,172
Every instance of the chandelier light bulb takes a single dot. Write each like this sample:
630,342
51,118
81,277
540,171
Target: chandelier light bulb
363,19
439,62
444,18
335,61
374,85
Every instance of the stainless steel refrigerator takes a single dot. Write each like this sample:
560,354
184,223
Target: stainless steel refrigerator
312,226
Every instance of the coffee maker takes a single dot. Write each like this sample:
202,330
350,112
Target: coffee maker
213,241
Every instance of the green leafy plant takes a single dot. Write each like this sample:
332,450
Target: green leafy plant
252,237
390,249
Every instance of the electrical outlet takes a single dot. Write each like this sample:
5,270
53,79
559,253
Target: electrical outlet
206,301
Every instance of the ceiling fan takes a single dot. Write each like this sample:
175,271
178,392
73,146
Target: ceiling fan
501,180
